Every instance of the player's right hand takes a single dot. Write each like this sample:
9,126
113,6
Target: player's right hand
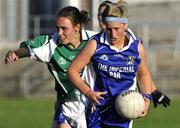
95,97
10,57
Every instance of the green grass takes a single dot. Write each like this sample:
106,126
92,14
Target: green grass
161,117
38,113
19,113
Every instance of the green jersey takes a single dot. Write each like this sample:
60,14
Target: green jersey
58,57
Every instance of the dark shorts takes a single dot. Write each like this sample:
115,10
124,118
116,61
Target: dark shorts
105,117
59,116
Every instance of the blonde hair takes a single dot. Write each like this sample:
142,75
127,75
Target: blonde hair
119,9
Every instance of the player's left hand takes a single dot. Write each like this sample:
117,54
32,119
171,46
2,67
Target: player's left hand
159,98
147,105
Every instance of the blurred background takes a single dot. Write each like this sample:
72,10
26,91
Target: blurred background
155,22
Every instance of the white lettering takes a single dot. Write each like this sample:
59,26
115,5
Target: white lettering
116,75
102,67
121,69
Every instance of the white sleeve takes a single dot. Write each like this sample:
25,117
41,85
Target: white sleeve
89,75
43,53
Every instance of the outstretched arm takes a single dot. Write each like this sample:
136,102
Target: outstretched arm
12,56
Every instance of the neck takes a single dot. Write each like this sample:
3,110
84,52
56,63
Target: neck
121,43
75,42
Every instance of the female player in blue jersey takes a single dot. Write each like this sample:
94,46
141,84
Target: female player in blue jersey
116,57
157,96
58,51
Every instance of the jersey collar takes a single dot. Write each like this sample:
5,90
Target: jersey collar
104,40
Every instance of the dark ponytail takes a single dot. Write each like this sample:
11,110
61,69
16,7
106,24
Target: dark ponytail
85,17
74,15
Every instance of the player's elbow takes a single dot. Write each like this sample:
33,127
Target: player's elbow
71,72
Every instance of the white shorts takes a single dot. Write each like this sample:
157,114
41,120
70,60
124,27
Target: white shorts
72,112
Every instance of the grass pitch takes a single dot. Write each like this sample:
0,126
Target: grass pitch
38,113
161,117
20,113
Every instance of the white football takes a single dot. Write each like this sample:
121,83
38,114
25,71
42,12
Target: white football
130,104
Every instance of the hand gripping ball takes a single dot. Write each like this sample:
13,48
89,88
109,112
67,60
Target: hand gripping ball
130,104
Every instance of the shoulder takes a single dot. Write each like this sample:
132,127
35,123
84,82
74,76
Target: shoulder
91,33
86,34
141,49
36,42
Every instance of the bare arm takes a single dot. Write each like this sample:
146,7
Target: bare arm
144,76
81,60
157,96
12,56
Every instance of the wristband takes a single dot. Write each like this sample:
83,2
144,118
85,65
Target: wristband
86,94
148,96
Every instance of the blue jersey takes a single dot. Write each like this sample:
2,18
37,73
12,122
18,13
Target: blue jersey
115,69
115,72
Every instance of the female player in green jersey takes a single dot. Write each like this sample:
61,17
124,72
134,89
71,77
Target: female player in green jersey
58,51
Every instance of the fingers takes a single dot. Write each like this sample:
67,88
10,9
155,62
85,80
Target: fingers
95,97
100,95
10,57
155,104
144,113
159,98
93,108
166,102
167,99
147,104
95,100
